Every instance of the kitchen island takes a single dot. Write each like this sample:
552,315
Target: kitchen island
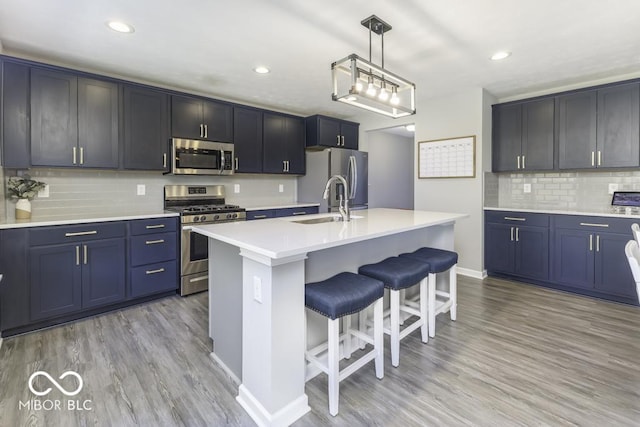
257,272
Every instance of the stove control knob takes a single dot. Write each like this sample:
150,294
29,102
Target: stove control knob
235,215
203,218
229,216
196,218
216,217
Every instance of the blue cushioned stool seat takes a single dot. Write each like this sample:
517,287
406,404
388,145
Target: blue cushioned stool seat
397,273
439,260
342,294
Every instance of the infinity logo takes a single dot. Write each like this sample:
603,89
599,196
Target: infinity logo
55,383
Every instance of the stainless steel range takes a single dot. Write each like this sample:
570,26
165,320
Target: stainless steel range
198,204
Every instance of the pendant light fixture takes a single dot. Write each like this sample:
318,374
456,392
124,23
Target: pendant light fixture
363,84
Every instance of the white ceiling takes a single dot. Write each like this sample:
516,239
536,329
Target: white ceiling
211,46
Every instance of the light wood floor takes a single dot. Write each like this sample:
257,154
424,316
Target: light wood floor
517,355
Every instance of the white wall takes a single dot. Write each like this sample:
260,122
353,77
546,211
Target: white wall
462,114
390,170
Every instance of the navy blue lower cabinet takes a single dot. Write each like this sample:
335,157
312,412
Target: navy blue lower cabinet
153,278
103,272
499,254
532,252
612,272
574,258
56,280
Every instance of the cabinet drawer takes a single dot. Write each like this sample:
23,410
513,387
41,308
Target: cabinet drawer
307,210
595,223
153,278
513,218
152,226
152,248
76,233
261,214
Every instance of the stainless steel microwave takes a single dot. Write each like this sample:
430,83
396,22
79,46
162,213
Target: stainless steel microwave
194,157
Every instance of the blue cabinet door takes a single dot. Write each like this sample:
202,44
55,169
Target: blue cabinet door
103,272
532,252
612,273
507,137
56,280
499,248
574,258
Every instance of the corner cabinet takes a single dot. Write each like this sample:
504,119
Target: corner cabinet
517,243
283,144
323,131
523,136
145,125
198,118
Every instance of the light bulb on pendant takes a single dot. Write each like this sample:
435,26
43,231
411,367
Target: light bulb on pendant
359,86
384,94
395,100
371,88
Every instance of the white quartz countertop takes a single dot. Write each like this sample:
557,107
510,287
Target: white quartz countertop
82,217
607,212
284,237
260,207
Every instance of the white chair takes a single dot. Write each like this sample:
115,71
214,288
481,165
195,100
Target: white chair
633,256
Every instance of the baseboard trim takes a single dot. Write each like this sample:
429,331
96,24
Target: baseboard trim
472,273
263,418
225,368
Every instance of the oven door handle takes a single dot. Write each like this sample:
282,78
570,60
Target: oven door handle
221,162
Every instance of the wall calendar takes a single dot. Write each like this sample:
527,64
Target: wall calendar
447,158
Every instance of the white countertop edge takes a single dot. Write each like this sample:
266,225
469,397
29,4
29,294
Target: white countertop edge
285,206
320,246
44,223
562,212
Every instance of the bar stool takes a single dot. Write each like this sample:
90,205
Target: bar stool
439,261
397,274
340,296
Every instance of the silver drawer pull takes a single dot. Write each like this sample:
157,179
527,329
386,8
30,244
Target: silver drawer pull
589,224
80,233
259,216
154,242
300,213
149,227
513,218
199,279
160,270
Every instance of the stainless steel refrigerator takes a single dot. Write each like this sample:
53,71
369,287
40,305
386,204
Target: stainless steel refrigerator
321,165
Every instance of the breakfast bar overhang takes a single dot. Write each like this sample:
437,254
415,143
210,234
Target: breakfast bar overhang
257,272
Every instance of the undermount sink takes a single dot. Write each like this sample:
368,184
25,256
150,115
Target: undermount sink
332,218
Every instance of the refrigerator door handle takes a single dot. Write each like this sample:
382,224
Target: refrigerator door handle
353,169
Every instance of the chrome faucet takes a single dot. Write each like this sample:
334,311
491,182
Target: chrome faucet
344,201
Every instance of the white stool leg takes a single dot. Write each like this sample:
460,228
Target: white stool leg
424,296
333,364
432,305
394,307
453,292
403,296
362,326
378,338
346,326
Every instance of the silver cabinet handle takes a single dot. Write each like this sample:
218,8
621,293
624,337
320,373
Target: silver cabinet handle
284,166
237,162
342,137
592,224
300,213
84,247
74,149
599,158
591,242
206,131
523,162
159,270
512,234
517,234
77,255
513,218
164,160
80,233
593,158
338,139
518,162
201,130
259,216
597,243
149,227
154,242
82,155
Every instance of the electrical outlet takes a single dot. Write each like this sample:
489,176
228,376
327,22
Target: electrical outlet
527,188
257,289
141,190
281,188
236,188
613,187
44,192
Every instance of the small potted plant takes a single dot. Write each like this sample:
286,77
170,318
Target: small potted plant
23,189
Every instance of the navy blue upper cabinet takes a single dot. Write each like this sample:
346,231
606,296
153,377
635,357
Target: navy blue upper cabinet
523,136
323,131
283,144
145,128
74,121
247,139
15,115
197,118
599,128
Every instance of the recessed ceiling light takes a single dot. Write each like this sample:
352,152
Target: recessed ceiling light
500,55
410,128
261,70
120,27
